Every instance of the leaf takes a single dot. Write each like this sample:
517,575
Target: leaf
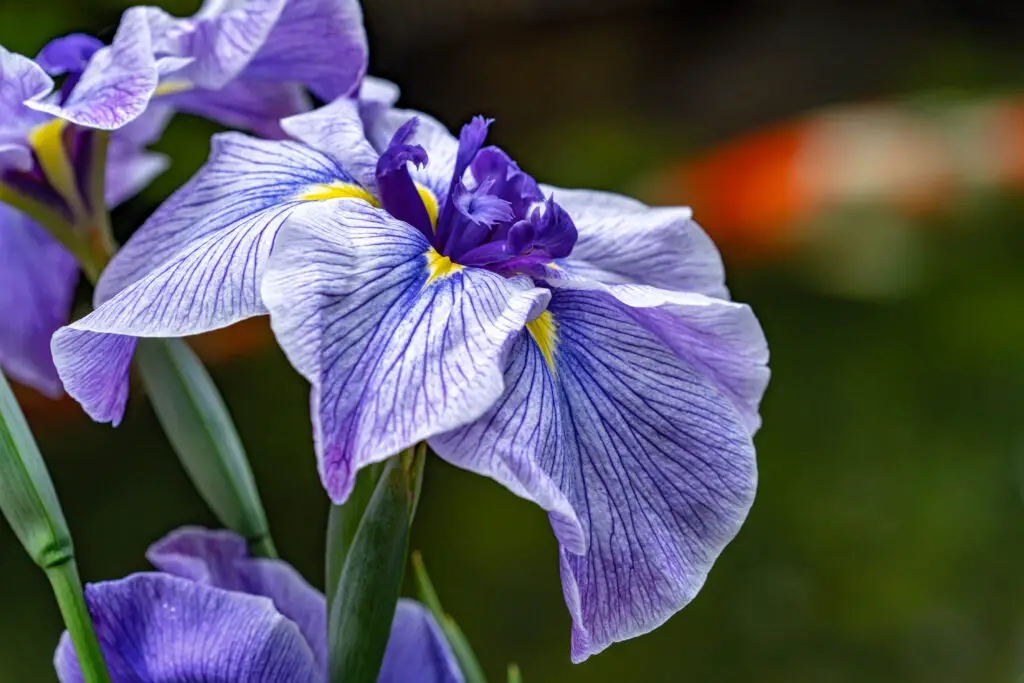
200,429
366,595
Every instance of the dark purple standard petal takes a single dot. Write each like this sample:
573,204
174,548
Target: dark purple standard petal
492,215
155,628
398,193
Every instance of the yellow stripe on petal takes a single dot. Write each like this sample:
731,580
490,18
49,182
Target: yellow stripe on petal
429,203
544,331
47,141
439,266
172,87
317,193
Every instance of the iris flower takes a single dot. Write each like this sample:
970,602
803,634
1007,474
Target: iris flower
49,168
579,347
213,613
244,64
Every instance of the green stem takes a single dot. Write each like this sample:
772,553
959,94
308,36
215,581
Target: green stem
29,502
67,588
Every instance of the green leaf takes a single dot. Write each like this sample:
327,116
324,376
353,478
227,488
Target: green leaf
514,675
468,662
367,590
342,524
27,496
200,429
29,502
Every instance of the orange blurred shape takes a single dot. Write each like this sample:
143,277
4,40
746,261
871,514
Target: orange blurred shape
758,194
745,192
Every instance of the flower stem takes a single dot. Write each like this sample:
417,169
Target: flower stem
29,502
67,588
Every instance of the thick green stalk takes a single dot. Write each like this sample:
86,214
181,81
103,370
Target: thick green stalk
200,429
514,675
367,550
342,524
29,502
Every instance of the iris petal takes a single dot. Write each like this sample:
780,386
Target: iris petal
221,559
417,649
392,359
155,628
645,464
336,129
623,240
321,43
117,84
192,267
37,285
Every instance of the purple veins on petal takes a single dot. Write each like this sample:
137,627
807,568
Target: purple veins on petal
214,613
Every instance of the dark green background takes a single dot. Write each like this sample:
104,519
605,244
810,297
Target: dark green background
886,542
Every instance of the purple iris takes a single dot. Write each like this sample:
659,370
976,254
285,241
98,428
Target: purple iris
213,613
494,217
579,347
244,63
48,164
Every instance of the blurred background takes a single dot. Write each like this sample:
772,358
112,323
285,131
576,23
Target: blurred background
861,166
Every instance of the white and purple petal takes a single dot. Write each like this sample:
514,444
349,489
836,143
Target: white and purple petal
257,106
221,559
117,84
319,43
37,286
21,79
336,129
622,240
645,463
155,628
220,41
397,349
194,266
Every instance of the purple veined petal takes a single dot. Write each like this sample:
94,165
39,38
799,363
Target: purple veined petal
117,85
652,456
223,38
398,343
320,43
622,240
194,266
37,286
337,130
155,628
20,79
417,650
442,148
221,559
249,104
723,340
